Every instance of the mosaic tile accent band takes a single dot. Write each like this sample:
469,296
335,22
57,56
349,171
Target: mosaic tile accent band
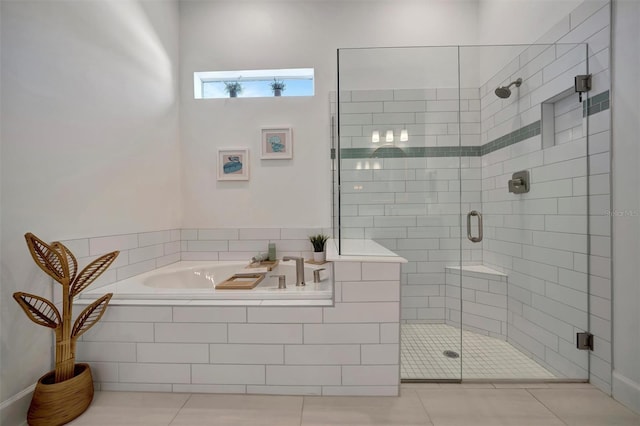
598,103
395,152
516,136
593,105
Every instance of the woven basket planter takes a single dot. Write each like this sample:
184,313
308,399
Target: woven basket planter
54,404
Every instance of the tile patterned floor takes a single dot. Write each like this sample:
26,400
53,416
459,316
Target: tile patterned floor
544,404
482,357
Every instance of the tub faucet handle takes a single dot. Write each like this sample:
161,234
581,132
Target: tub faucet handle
316,275
281,281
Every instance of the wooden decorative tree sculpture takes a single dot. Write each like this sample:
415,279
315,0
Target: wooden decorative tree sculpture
60,264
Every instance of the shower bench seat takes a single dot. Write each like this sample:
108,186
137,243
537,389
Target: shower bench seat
483,291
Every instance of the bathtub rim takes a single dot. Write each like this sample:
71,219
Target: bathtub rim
197,298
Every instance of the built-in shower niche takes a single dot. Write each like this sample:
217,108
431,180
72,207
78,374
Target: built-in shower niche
561,119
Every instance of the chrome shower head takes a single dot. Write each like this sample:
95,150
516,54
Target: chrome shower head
504,91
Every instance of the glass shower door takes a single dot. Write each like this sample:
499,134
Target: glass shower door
471,163
399,155
524,276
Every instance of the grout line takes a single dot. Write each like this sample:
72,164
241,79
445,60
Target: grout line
180,409
543,404
302,406
424,407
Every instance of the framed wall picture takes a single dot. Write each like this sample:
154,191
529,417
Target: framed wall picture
233,164
277,143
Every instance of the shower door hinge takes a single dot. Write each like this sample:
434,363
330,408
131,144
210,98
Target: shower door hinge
584,341
582,84
333,153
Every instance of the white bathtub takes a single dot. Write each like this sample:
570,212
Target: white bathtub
197,281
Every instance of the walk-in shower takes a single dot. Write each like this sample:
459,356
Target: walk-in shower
425,154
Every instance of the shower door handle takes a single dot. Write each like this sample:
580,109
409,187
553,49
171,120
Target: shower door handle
471,237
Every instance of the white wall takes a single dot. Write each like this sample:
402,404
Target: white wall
89,142
258,35
517,21
625,177
402,68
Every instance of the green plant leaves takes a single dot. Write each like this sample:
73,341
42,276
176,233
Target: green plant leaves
318,241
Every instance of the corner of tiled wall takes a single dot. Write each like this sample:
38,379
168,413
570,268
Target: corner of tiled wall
139,252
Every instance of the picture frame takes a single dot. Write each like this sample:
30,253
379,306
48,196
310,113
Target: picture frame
233,164
277,143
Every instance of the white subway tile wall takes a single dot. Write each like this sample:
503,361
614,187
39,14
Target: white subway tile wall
430,118
146,251
244,243
484,302
139,253
540,239
412,205
351,348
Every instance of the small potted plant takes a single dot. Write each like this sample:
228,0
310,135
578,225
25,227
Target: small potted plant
233,88
277,87
318,242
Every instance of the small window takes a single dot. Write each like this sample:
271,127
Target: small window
253,83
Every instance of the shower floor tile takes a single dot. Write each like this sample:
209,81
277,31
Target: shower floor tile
483,357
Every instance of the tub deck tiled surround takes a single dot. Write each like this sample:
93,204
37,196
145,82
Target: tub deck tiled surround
351,348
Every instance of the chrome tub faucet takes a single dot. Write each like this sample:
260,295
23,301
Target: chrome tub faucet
299,269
